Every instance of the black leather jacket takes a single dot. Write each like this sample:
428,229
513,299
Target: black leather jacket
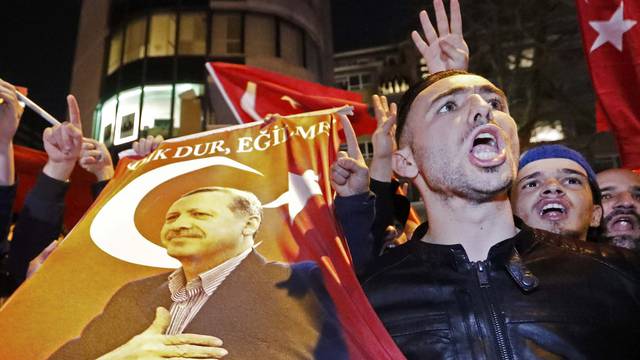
537,295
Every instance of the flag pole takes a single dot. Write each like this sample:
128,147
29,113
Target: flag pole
33,106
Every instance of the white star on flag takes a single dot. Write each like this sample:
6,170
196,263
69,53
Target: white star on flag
611,30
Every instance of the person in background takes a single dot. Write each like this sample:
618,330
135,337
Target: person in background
621,205
556,190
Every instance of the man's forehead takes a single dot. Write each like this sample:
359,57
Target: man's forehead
551,167
203,199
618,177
457,83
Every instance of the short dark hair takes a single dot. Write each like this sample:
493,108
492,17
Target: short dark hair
409,96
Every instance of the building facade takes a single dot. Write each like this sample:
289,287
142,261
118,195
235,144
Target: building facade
139,67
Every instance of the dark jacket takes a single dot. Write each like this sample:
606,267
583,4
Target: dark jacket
537,295
260,311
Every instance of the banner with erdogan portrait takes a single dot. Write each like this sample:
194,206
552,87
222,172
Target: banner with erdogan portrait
112,285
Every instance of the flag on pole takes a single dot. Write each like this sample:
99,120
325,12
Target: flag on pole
253,93
611,39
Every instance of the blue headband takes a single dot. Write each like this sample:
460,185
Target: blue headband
562,152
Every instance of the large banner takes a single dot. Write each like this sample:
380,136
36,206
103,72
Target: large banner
268,182
611,39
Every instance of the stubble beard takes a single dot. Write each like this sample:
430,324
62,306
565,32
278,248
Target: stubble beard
446,177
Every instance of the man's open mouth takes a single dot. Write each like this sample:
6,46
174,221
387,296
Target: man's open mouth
552,210
487,148
623,223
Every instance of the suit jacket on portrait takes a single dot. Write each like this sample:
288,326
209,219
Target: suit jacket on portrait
261,310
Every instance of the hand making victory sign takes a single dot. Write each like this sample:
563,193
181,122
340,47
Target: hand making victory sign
446,49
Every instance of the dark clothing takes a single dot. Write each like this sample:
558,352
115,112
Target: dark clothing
39,223
97,187
7,197
260,311
537,295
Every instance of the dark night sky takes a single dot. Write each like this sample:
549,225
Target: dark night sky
38,42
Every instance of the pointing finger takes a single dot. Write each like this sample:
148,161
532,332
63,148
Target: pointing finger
441,18
74,112
456,17
352,141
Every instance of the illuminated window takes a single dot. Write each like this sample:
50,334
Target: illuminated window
192,34
291,44
115,50
156,110
134,40
107,120
260,36
547,132
128,116
525,60
187,111
226,34
162,35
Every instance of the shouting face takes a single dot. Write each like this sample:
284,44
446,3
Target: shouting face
621,205
462,138
554,195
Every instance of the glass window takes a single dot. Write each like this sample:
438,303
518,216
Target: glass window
192,34
187,112
156,110
127,119
162,35
312,60
260,35
134,40
115,52
107,120
291,44
226,34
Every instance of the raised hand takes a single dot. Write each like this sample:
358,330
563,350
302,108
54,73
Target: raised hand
144,146
10,112
96,159
349,173
153,344
63,143
446,49
383,138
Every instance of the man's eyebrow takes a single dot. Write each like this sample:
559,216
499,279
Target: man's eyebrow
452,91
573,172
535,174
607,188
490,88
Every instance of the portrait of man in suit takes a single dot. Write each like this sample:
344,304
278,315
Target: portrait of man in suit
225,299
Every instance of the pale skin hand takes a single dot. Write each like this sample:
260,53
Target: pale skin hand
10,113
63,144
152,344
95,158
383,139
446,49
144,146
349,173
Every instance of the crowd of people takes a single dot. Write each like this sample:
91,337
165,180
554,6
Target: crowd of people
531,255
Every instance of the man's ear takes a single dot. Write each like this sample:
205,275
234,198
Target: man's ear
596,216
252,225
403,163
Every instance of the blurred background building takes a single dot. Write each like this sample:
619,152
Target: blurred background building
139,67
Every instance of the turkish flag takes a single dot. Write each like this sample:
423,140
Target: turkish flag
284,162
611,37
253,93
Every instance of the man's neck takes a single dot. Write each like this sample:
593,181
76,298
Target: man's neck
476,226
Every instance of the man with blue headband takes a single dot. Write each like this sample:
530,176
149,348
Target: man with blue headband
556,190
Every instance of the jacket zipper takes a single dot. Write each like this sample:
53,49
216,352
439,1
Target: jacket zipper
483,279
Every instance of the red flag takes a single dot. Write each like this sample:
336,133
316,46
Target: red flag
29,164
611,37
253,93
